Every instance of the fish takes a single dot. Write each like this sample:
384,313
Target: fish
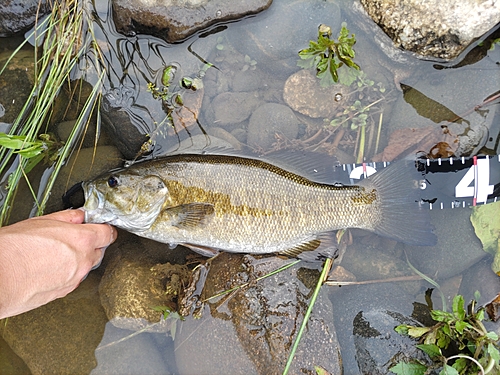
217,202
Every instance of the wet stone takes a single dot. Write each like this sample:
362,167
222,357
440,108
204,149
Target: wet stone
60,337
430,29
480,278
348,301
433,102
133,285
304,94
15,83
123,122
269,121
233,107
175,21
17,16
251,331
119,353
449,257
378,346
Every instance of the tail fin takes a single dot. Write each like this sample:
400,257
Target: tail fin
402,218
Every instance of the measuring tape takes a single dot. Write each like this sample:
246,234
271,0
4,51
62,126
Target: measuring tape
446,183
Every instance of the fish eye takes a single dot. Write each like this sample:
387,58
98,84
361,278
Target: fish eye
112,182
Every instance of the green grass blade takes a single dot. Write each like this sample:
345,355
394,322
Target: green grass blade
326,267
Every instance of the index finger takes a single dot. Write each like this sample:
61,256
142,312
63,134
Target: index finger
106,234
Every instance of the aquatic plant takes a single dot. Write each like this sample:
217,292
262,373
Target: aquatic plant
62,41
458,335
332,59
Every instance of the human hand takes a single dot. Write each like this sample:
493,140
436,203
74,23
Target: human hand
46,257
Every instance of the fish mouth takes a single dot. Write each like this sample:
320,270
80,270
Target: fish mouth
94,205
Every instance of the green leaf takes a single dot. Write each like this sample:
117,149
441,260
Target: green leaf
402,329
448,370
486,223
460,364
430,349
492,336
329,56
461,325
458,307
416,332
320,370
443,340
403,368
493,352
480,315
431,337
347,76
30,152
17,142
441,316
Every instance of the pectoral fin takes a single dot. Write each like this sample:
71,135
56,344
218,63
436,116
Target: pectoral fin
191,215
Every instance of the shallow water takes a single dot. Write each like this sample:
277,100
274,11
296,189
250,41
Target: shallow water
253,58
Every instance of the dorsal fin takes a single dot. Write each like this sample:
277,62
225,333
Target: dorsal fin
314,166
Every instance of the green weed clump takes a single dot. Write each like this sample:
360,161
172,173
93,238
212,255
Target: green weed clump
332,59
458,343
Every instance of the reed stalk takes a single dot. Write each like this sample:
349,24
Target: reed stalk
61,42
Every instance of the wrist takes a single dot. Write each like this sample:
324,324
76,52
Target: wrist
8,278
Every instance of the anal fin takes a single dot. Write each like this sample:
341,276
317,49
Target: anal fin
206,251
317,249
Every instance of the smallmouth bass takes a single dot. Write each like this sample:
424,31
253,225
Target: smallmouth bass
213,203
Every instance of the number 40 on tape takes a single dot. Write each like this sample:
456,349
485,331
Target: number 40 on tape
479,173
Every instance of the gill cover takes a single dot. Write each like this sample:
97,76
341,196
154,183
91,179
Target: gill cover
128,201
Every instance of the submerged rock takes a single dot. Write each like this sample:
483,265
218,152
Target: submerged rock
433,102
16,83
269,121
284,29
430,29
125,123
251,330
378,346
175,21
60,337
304,94
134,284
449,257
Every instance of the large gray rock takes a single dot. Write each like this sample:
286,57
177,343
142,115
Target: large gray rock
457,249
174,20
430,29
17,16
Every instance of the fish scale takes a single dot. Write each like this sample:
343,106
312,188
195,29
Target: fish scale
240,204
